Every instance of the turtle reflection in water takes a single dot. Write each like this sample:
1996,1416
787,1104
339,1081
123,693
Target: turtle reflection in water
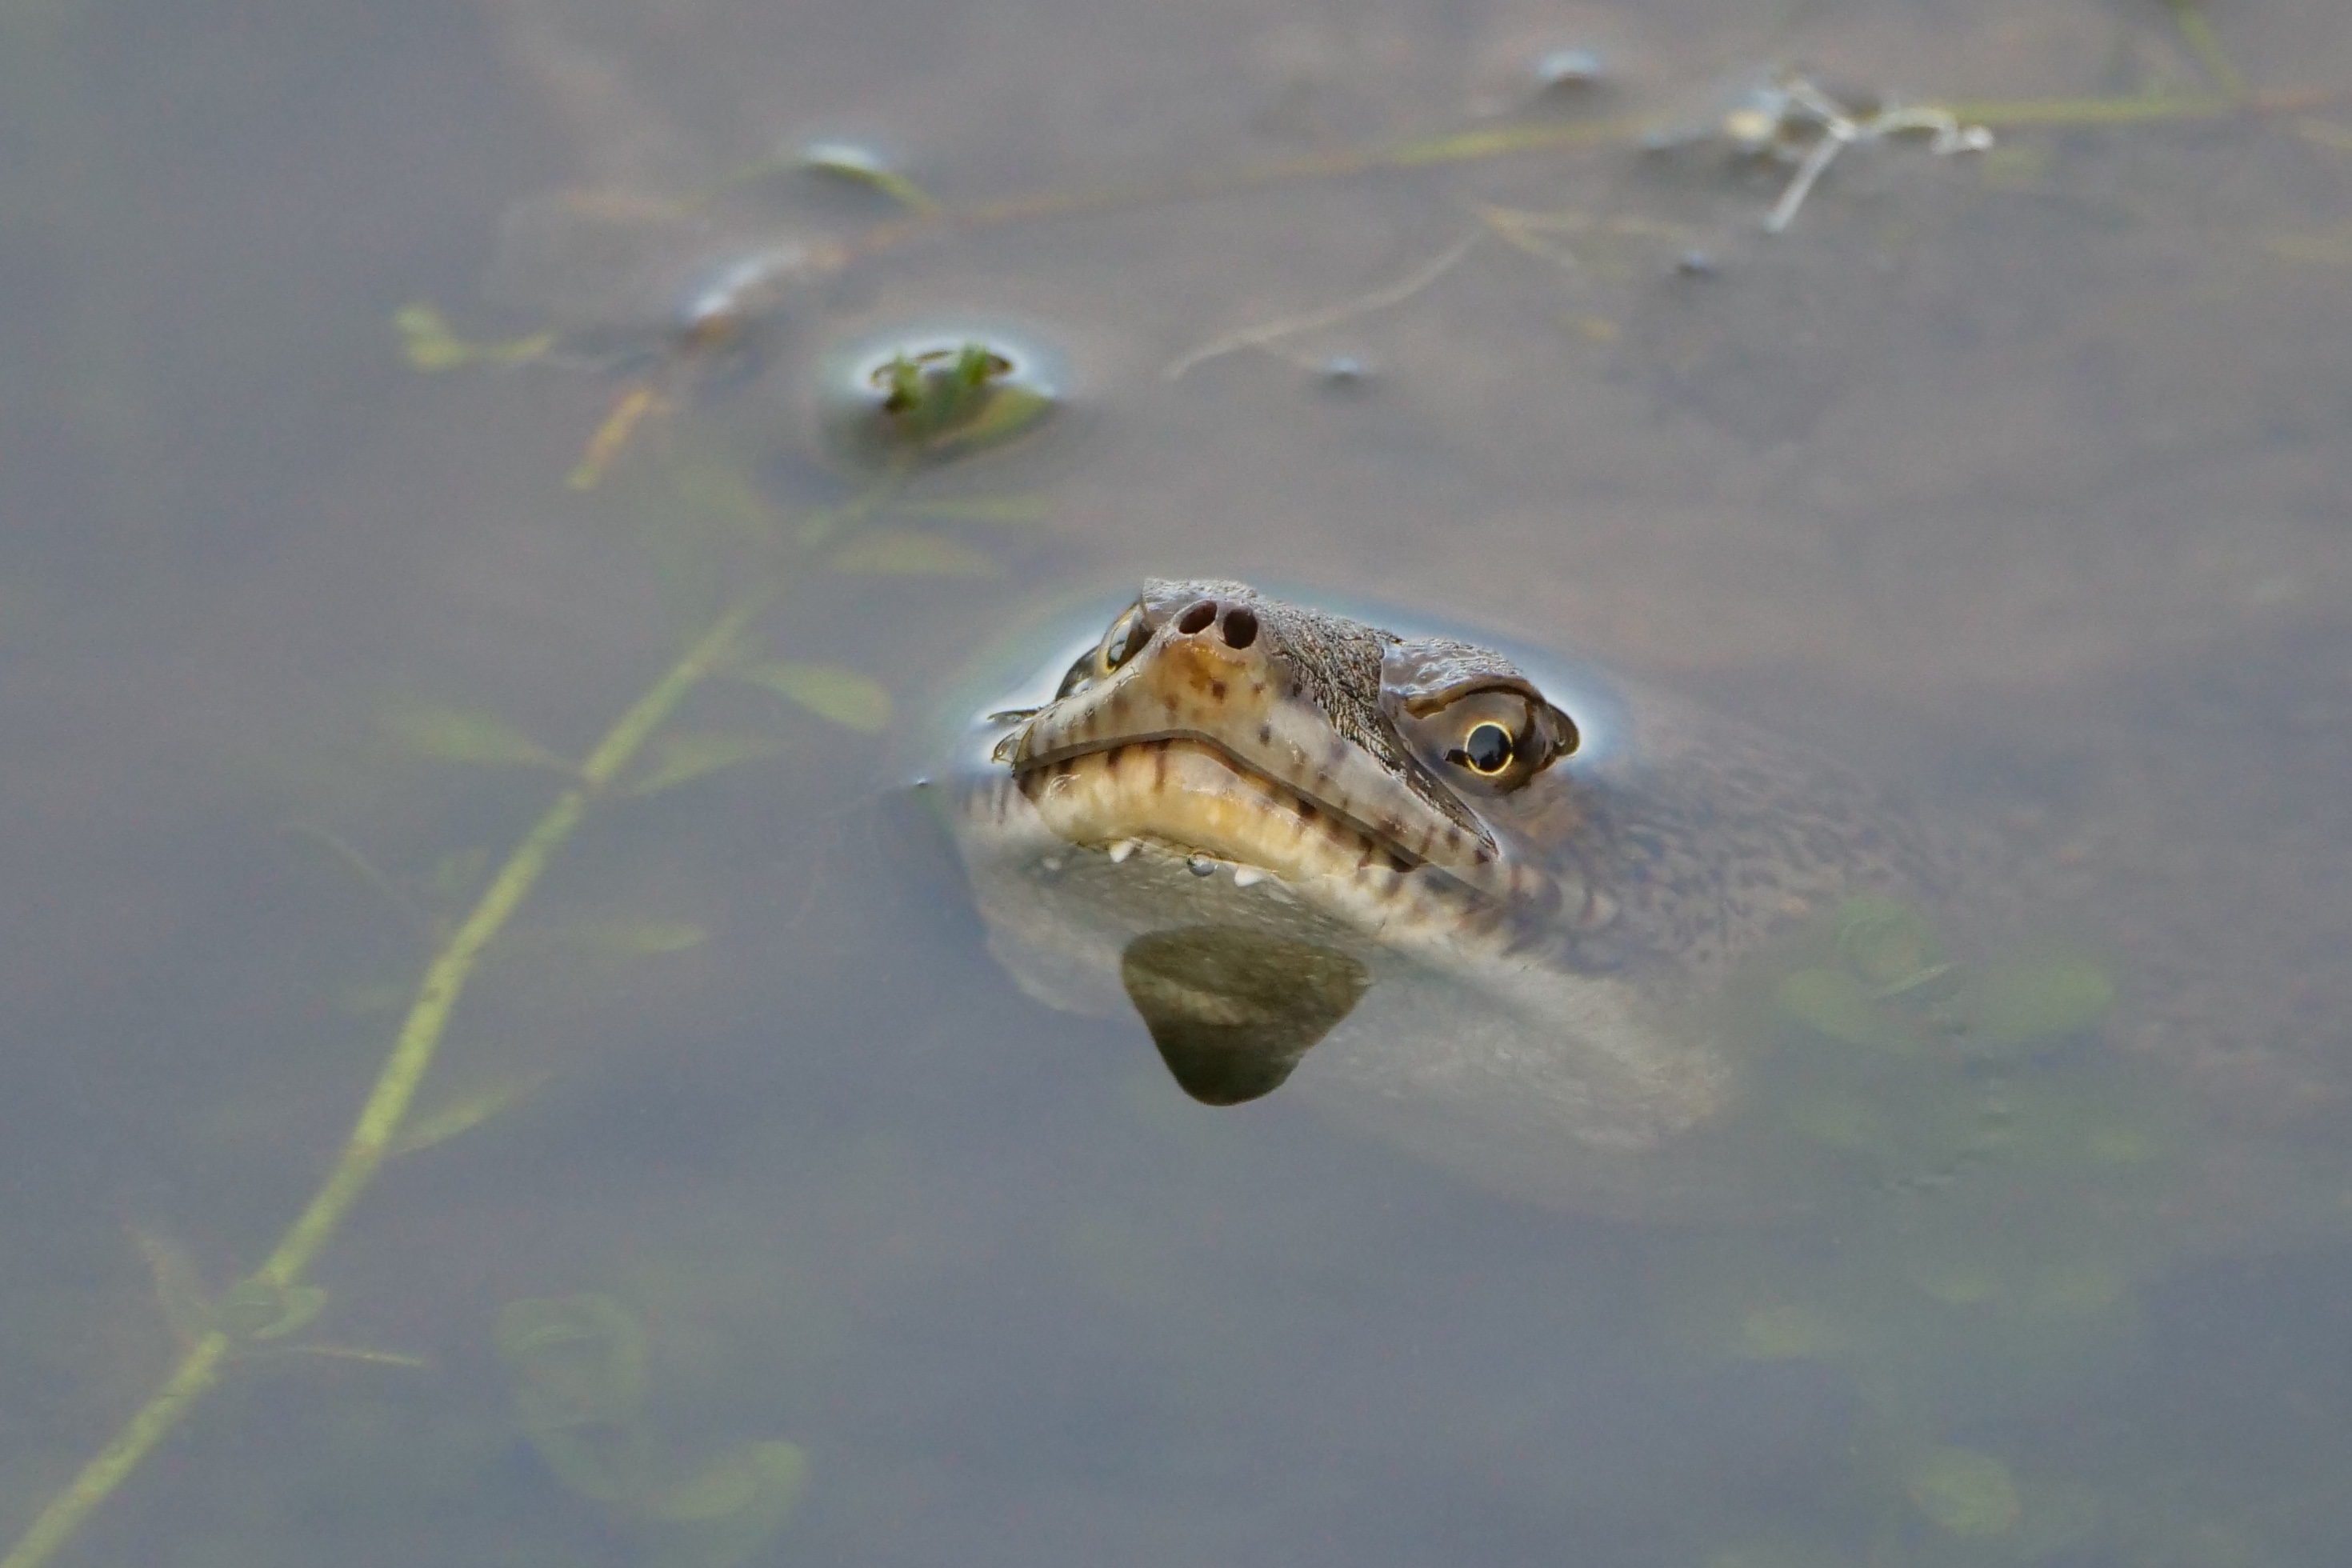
1491,915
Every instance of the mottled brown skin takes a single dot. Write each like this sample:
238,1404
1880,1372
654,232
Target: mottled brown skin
1708,839
1542,935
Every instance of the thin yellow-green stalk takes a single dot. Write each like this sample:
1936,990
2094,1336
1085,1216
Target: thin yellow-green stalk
371,1139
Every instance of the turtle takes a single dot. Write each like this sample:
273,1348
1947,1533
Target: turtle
1579,938
1493,907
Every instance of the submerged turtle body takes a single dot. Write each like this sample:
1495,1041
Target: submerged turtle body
1490,909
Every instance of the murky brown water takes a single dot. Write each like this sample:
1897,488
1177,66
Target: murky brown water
2017,480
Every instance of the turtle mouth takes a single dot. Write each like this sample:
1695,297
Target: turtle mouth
1189,796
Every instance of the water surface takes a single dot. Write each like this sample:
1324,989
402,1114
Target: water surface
2017,481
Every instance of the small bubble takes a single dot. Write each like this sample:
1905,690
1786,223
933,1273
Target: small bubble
850,160
1344,373
1696,263
1200,865
1568,70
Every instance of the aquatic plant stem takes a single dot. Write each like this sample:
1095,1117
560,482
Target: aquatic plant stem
371,1139
445,978
199,1369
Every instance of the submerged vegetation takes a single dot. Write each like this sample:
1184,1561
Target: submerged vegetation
728,1510
1935,1080
579,1368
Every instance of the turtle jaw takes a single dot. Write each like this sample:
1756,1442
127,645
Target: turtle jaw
1202,748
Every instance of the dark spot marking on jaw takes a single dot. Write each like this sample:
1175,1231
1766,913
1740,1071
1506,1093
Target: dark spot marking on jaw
1217,691
1306,812
1111,759
1265,735
1168,703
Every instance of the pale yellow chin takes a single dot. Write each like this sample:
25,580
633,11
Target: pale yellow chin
1189,797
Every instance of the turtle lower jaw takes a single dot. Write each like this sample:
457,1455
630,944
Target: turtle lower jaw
1188,798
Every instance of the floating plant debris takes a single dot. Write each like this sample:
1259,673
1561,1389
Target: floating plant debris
937,392
860,165
1789,118
716,306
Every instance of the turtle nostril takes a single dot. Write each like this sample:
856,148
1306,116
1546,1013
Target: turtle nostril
1197,617
1241,627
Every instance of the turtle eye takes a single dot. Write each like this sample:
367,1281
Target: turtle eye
1126,637
1487,740
1485,751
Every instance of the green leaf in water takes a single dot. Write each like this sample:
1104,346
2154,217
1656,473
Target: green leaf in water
429,345
464,1113
2037,999
827,690
574,1360
1833,1003
647,938
466,735
734,1505
992,417
427,341
681,759
179,1288
1964,1491
907,554
1888,946
754,1474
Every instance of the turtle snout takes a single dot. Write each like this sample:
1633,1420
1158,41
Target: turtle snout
1235,624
